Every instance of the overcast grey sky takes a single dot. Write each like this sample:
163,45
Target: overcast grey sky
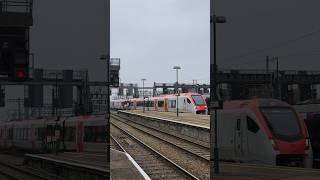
70,34
151,36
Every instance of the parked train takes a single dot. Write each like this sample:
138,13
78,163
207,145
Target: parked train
311,115
264,131
81,133
187,102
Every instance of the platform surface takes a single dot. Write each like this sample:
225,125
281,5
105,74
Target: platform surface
231,171
195,119
121,167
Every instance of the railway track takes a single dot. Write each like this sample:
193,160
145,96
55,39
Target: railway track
189,155
115,144
155,164
12,172
193,148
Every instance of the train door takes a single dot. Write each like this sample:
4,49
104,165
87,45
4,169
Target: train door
166,105
240,137
156,104
32,137
189,105
79,136
147,104
184,104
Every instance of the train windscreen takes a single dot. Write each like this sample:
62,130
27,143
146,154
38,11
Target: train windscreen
198,100
283,123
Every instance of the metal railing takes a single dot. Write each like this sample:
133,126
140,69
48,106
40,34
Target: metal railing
115,62
20,6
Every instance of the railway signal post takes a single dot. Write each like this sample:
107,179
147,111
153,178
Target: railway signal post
214,102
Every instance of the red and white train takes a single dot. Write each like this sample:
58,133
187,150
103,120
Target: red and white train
187,102
311,115
80,133
264,131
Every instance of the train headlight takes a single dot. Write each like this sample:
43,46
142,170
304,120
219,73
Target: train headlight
307,144
274,145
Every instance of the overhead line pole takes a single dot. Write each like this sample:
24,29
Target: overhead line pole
214,161
214,101
108,87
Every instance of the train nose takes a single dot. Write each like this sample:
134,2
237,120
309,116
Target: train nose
201,109
297,147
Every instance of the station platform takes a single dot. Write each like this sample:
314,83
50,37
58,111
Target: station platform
193,119
87,165
229,171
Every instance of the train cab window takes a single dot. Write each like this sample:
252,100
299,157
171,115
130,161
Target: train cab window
188,101
252,125
283,123
198,100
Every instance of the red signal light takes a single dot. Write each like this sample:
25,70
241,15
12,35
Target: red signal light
21,74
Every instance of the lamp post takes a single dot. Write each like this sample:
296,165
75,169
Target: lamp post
214,152
143,93
177,90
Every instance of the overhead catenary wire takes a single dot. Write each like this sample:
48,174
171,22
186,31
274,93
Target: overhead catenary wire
274,46
282,57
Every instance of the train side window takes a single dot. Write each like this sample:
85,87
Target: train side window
70,133
23,132
88,134
160,103
172,103
10,133
95,134
18,133
188,101
238,124
28,131
252,125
